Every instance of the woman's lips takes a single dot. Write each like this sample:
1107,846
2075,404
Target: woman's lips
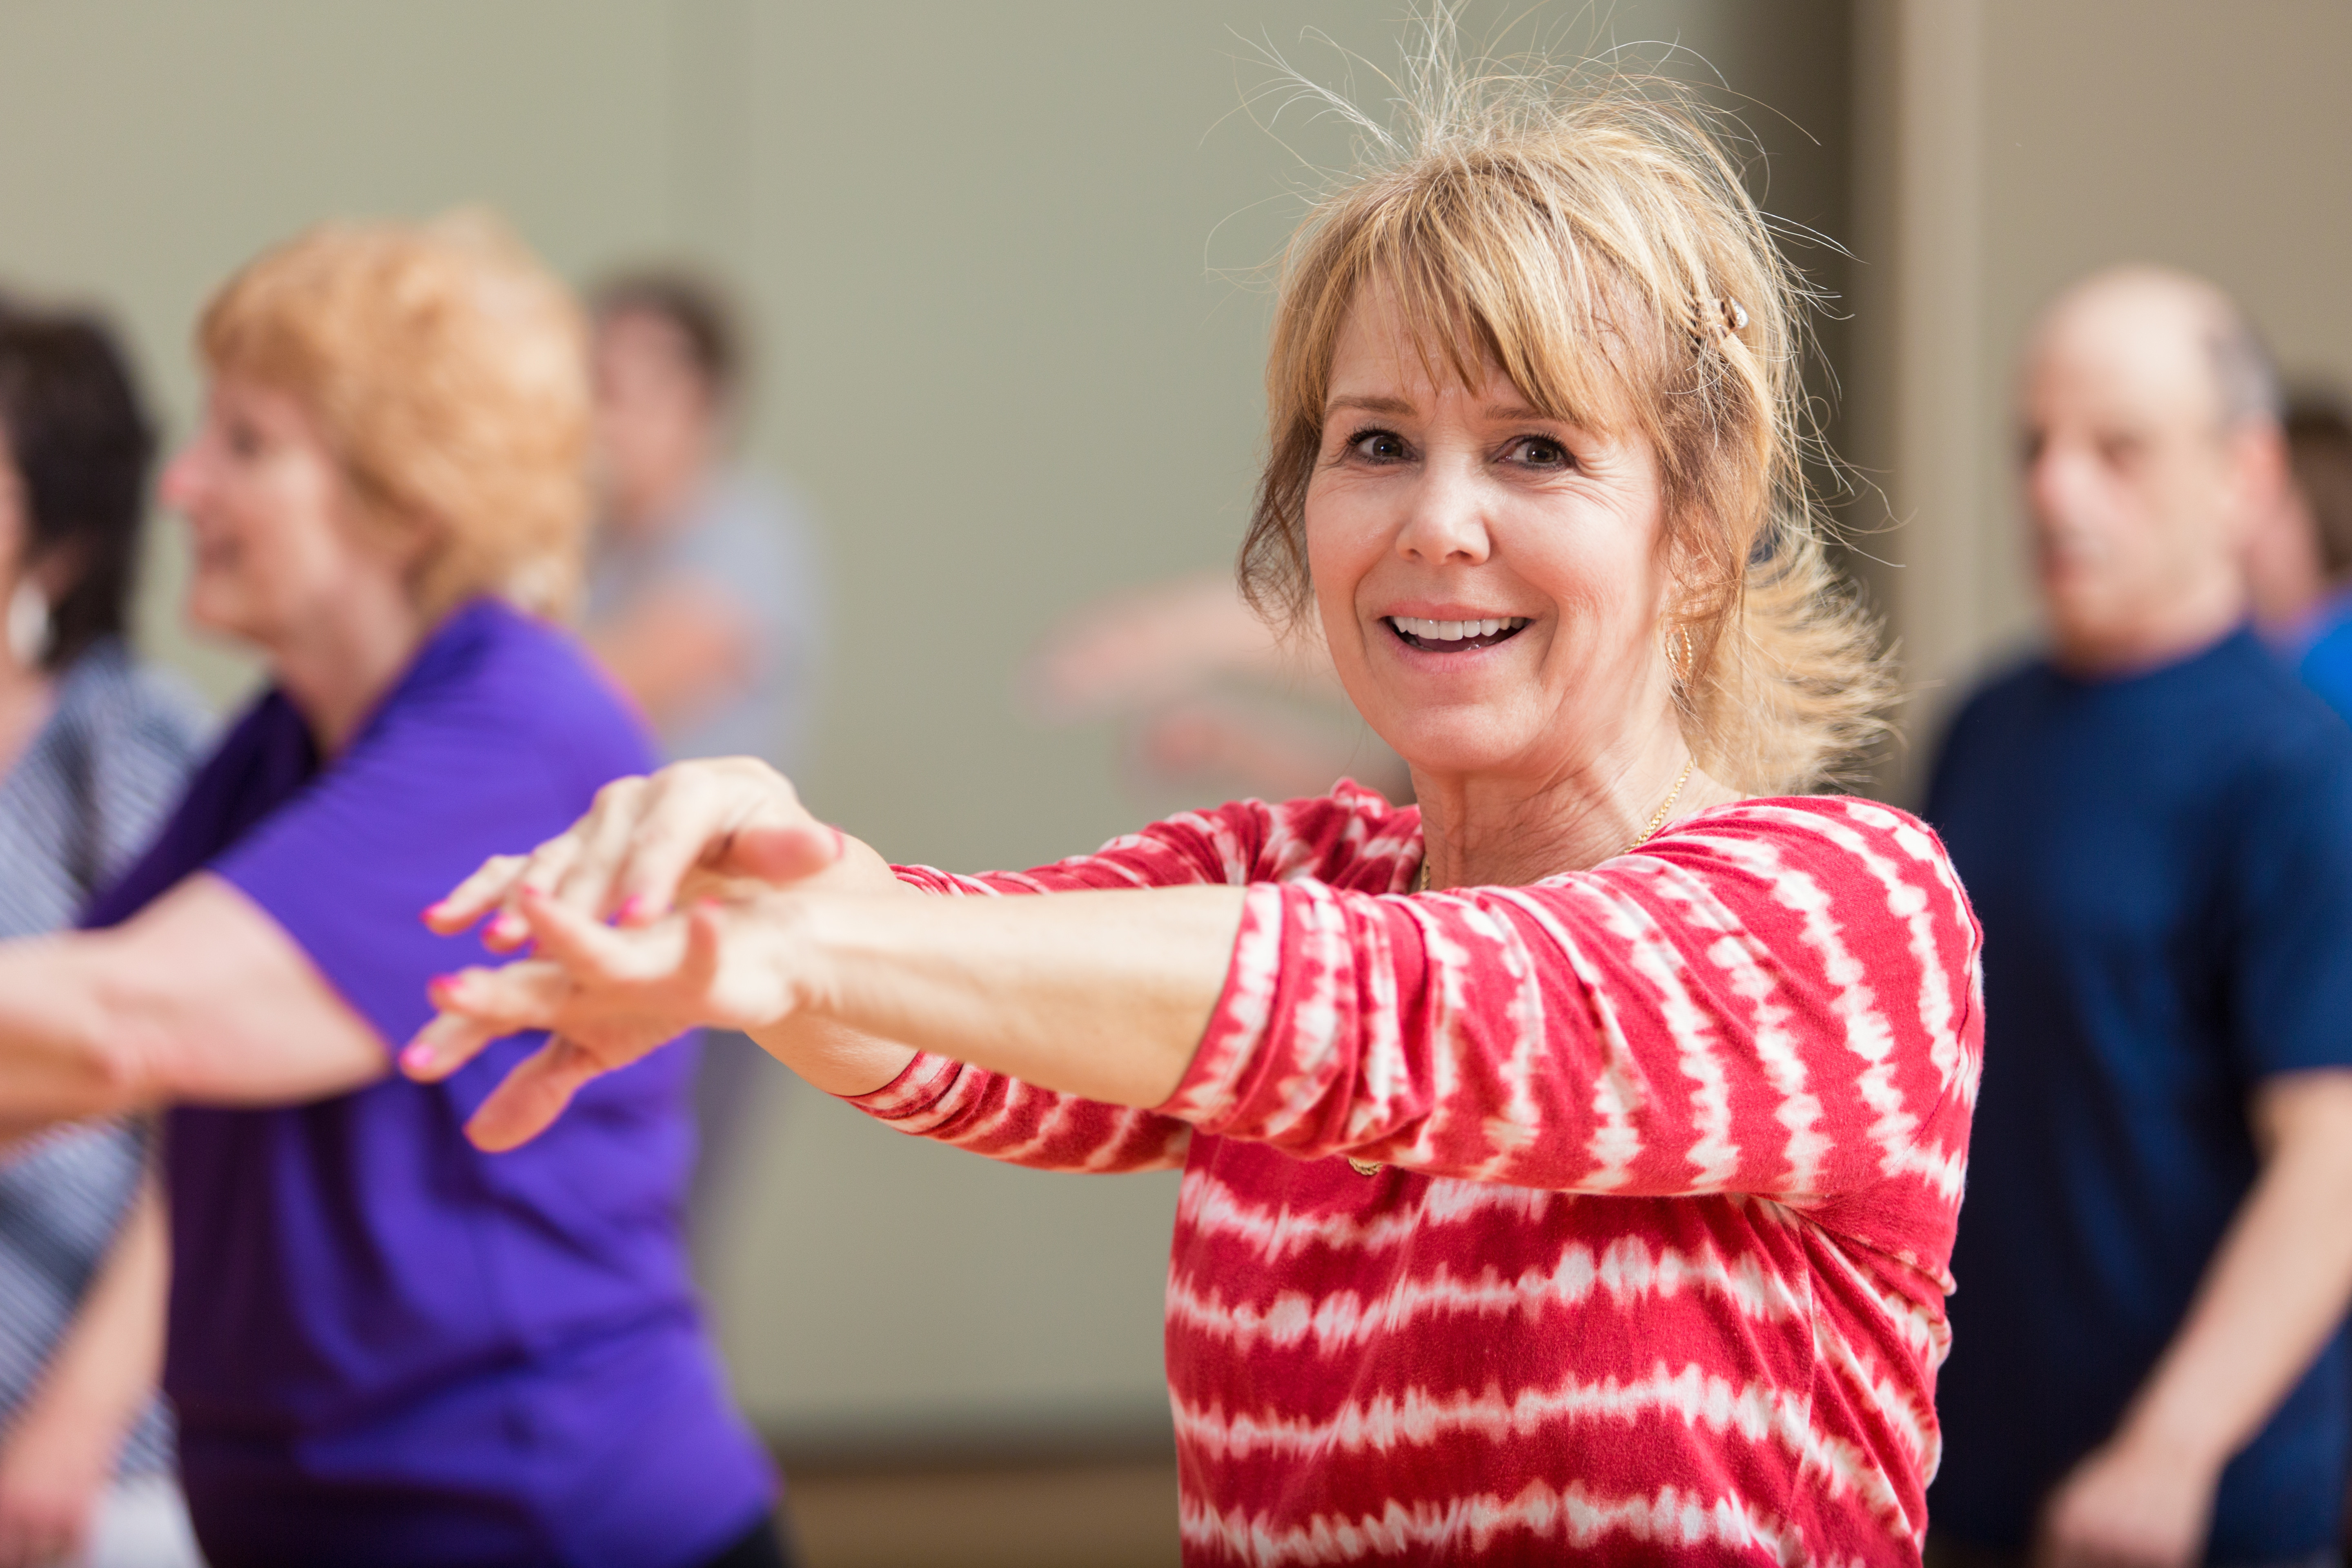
1454,637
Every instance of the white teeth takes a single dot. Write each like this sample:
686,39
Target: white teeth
1456,631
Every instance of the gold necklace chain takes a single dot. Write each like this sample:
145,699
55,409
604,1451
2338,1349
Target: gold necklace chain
1658,820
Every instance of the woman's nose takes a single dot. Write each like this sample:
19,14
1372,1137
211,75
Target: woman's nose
1444,519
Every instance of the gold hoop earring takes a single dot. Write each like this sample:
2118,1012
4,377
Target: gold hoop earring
1681,670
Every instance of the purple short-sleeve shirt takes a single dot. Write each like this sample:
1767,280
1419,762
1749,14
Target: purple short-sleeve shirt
386,1346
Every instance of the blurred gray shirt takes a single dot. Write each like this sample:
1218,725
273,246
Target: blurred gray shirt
748,540
75,811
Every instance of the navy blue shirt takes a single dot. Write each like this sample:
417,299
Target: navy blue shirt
387,1347
2163,868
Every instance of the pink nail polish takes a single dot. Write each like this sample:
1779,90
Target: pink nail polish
416,1058
636,906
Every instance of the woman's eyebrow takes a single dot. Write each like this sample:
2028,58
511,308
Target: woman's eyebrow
1367,403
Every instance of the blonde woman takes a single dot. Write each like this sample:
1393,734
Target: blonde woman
1571,1162
384,1347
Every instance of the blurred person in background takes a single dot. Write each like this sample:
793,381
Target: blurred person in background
1570,1161
383,1347
2299,562
2155,822
1163,659
705,602
94,749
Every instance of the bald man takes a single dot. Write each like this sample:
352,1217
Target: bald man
2155,822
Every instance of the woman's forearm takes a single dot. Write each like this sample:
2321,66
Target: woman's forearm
59,1059
104,1369
200,997
1100,994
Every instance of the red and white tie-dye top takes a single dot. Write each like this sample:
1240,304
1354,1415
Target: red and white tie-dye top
1671,1150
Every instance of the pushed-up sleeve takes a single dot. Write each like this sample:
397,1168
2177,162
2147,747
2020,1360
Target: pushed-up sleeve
1777,998
1352,829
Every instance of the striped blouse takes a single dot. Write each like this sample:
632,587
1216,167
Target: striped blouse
1669,1158
82,801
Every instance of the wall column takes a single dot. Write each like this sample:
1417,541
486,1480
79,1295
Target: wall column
1919,97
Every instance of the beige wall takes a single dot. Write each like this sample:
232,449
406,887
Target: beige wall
988,245
2006,147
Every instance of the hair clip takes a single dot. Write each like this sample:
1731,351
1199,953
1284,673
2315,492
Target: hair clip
1716,320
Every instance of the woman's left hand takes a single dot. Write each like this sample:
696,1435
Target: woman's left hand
608,996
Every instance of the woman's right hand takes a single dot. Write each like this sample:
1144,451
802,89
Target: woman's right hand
51,1475
649,843
712,834
608,998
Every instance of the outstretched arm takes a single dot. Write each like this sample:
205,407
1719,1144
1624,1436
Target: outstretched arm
1153,644
201,996
1669,1025
2273,1293
681,651
1103,996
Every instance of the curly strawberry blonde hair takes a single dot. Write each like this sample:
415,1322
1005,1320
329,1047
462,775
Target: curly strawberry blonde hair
1589,235
447,369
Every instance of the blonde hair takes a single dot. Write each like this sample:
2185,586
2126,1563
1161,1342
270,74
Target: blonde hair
447,369
1589,234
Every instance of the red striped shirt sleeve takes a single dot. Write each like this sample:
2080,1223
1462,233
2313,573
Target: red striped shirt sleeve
1246,841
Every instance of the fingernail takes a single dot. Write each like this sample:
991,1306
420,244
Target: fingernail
418,1058
635,908
840,842
506,927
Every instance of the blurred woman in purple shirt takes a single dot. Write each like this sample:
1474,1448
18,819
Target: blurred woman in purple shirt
384,1347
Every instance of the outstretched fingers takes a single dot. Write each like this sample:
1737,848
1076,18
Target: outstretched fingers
592,953
480,1005
693,818
477,896
638,845
532,1096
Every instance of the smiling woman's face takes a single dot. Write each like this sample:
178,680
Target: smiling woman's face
273,519
1490,580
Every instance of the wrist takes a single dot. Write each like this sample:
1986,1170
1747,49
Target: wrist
798,946
68,1442
2181,1434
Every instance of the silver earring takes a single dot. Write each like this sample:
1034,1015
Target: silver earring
28,622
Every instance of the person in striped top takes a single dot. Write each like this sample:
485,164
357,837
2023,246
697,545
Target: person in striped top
1571,1162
